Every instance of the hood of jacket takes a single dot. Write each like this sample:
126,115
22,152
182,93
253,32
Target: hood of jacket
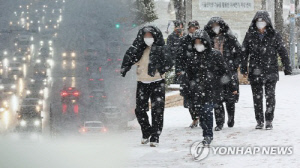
266,17
224,28
204,37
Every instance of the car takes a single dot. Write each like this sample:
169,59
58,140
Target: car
29,119
45,51
68,55
93,127
8,85
69,94
97,98
15,68
90,54
40,70
35,90
19,57
96,80
35,101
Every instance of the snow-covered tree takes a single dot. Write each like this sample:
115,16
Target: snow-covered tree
144,11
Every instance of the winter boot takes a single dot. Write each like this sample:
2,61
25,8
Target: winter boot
269,125
194,124
207,141
219,128
259,125
230,121
144,141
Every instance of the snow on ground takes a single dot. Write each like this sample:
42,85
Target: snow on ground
124,149
176,138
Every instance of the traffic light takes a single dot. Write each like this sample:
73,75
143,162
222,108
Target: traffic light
133,25
118,25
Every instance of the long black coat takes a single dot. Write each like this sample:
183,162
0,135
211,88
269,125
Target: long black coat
185,45
160,58
262,54
207,71
232,53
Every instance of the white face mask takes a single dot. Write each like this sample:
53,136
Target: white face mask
149,41
216,29
200,47
261,24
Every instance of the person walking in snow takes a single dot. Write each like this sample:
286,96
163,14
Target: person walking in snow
261,47
223,40
180,68
153,60
206,71
173,43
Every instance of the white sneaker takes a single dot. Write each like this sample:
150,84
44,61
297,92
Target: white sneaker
153,144
144,141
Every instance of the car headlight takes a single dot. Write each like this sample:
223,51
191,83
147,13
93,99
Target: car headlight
73,54
20,68
32,80
64,54
40,102
37,123
1,87
41,91
13,86
14,58
24,59
2,109
23,123
38,61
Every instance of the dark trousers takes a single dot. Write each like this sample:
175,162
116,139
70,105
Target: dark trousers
194,113
257,92
156,92
220,112
206,118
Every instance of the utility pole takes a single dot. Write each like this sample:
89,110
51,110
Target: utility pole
188,11
292,33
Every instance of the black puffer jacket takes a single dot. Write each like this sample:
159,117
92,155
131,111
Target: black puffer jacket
185,45
262,54
232,53
206,71
160,57
173,43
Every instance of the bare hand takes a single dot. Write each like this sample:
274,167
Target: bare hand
245,75
235,92
179,73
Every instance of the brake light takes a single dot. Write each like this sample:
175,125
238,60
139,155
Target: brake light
87,68
104,129
100,79
100,69
70,88
91,79
76,93
64,93
108,59
119,59
103,96
91,96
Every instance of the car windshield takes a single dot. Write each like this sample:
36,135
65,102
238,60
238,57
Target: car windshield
111,110
24,43
93,124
